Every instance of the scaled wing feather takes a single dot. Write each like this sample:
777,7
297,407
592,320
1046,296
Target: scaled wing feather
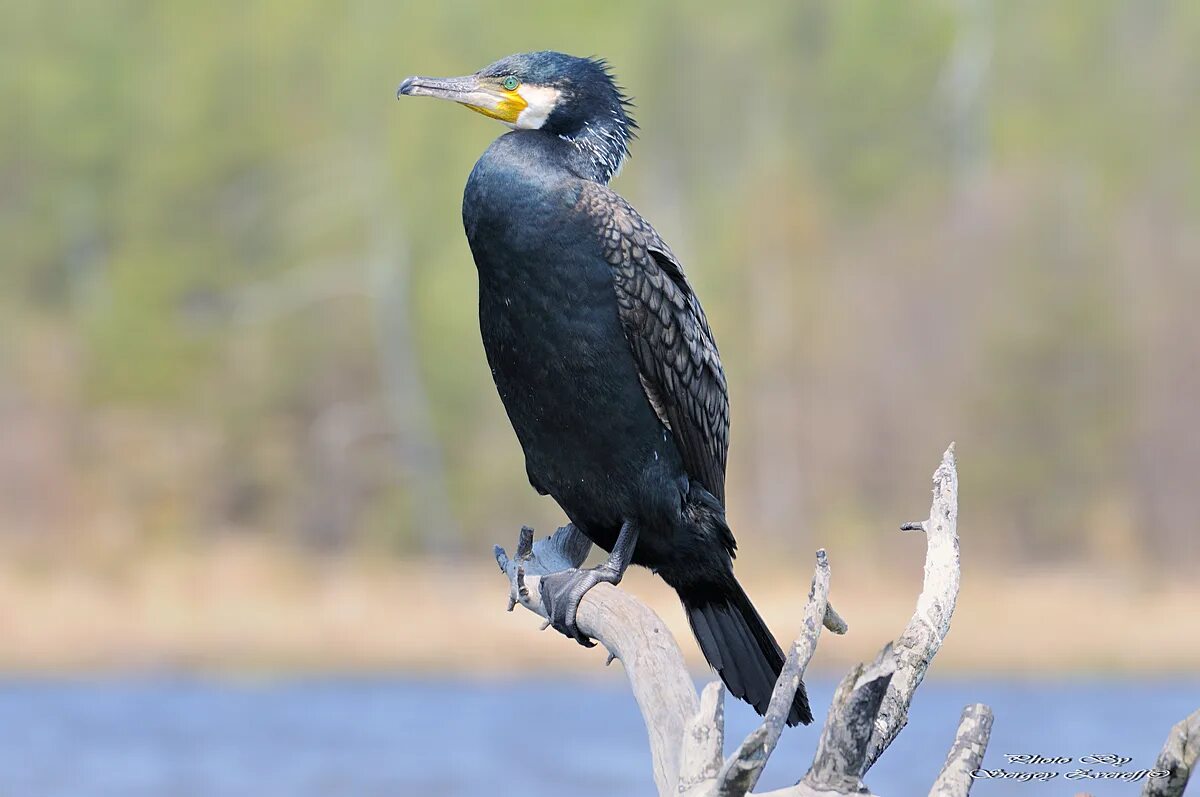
668,334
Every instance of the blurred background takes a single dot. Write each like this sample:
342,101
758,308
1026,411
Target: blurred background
251,458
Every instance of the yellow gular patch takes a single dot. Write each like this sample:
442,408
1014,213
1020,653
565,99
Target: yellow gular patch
509,107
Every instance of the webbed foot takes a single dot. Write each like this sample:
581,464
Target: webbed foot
563,583
566,549
562,592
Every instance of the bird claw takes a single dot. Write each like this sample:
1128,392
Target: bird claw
518,592
562,593
557,561
525,543
565,550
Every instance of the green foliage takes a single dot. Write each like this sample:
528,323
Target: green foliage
193,197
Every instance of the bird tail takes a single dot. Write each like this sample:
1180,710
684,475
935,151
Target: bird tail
738,645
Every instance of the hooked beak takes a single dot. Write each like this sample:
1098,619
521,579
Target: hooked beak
483,95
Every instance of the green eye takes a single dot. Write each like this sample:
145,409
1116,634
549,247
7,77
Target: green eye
511,83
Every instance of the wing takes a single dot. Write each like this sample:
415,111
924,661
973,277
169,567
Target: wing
676,356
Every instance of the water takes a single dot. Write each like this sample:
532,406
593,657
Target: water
533,738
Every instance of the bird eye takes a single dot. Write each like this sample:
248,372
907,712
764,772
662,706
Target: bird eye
511,83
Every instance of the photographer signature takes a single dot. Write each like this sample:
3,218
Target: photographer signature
1110,768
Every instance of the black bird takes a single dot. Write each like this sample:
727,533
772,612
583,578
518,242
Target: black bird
602,355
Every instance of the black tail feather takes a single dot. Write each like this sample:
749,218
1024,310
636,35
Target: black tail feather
739,646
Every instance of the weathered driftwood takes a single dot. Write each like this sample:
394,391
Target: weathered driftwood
630,631
966,754
740,773
870,707
1178,757
922,637
840,760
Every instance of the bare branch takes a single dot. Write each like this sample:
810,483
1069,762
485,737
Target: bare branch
741,772
868,709
700,758
802,789
834,622
923,636
742,768
844,689
841,752
631,632
966,754
1178,757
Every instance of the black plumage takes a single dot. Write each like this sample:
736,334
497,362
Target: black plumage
601,352
669,336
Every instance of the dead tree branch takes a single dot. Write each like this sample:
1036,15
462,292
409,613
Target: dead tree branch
741,772
966,754
686,734
630,631
1178,758
916,647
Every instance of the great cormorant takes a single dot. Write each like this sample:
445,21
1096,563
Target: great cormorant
602,355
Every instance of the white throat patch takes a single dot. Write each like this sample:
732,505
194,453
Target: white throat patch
540,101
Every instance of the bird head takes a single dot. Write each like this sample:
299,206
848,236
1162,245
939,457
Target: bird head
550,91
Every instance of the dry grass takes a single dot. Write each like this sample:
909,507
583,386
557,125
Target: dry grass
247,607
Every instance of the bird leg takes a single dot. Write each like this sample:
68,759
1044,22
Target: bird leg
562,591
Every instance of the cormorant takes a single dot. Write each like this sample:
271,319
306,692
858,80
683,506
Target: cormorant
602,355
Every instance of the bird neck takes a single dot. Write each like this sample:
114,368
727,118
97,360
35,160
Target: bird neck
598,148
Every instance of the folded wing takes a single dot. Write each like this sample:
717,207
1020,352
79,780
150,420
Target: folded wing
668,334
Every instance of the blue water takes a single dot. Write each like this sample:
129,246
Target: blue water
533,738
